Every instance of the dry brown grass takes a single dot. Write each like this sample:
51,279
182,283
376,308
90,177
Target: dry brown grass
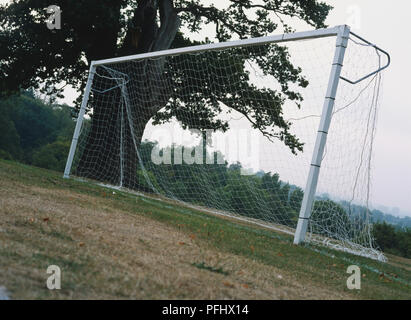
108,253
122,246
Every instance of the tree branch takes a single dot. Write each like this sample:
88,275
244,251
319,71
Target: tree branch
170,23
211,13
142,29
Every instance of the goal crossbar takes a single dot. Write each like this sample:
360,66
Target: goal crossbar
286,37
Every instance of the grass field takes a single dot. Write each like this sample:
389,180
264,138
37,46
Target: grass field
121,246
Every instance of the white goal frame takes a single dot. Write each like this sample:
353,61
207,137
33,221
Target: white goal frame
342,34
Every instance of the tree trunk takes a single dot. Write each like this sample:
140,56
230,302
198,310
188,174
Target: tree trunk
120,115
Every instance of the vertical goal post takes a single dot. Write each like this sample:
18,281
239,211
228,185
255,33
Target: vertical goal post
311,187
342,34
79,122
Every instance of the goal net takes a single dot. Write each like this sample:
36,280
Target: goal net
231,129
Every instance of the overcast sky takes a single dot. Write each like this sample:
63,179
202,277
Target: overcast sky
386,24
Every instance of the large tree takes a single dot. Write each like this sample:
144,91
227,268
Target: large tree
31,55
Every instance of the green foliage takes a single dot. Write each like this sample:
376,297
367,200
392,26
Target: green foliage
9,137
143,185
392,240
5,155
296,198
34,123
97,29
52,156
242,196
377,216
34,132
329,218
399,222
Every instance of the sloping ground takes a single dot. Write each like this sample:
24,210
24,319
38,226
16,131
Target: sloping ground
116,245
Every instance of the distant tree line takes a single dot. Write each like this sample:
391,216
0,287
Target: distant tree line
35,133
40,134
392,239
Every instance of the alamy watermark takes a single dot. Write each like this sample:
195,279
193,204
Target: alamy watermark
354,280
54,20
54,280
202,147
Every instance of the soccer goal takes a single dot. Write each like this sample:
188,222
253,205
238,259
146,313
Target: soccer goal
277,131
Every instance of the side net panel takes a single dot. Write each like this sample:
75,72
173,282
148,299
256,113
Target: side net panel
232,132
